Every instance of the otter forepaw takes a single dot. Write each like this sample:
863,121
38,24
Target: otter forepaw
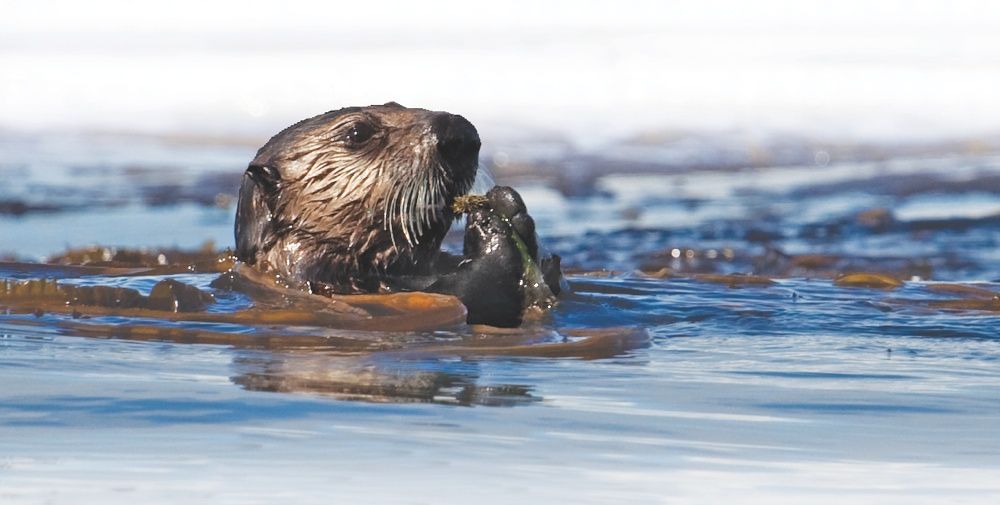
500,275
509,204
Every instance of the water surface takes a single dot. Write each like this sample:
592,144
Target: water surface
787,385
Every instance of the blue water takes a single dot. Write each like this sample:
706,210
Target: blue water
796,391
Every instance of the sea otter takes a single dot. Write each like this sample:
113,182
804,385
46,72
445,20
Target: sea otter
358,200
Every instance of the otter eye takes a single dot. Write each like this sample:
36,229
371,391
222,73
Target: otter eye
359,134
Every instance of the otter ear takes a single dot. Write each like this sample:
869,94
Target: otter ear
255,210
393,104
264,176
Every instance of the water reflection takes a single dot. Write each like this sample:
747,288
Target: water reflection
375,379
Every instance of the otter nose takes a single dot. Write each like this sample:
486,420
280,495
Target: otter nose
457,140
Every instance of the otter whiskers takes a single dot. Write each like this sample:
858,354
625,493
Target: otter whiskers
417,204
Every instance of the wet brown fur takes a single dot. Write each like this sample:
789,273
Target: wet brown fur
315,208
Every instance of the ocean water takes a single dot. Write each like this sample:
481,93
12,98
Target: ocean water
701,384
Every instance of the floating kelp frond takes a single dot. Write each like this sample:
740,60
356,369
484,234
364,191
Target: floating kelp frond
168,295
536,292
867,280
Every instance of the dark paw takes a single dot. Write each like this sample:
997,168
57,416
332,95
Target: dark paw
500,274
488,278
508,203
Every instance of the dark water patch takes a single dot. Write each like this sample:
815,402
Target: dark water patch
988,329
12,207
857,408
32,423
823,375
170,411
907,185
612,286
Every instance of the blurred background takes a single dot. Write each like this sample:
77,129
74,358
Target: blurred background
588,71
591,71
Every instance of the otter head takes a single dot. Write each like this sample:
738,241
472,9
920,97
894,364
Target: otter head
354,194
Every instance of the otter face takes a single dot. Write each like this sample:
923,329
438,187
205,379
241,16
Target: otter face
354,192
